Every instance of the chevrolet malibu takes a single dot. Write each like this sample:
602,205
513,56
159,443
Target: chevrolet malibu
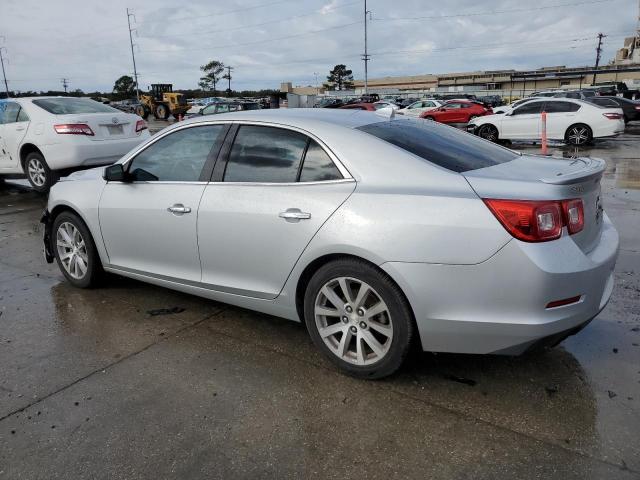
372,230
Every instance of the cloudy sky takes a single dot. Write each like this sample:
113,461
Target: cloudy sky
269,41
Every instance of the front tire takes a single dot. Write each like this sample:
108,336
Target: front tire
359,318
40,176
578,134
162,111
488,132
75,251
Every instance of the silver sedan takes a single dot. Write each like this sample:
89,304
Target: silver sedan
375,231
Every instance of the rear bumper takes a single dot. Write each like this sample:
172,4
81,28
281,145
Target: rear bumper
88,153
499,306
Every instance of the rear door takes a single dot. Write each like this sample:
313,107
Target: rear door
560,115
13,127
267,201
523,123
148,224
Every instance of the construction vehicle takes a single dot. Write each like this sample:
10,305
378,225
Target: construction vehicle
162,101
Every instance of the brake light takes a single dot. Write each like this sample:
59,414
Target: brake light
535,220
573,215
613,116
73,129
140,126
637,107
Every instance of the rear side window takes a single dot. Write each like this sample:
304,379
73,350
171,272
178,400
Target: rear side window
318,166
561,107
265,154
22,116
442,145
65,106
604,102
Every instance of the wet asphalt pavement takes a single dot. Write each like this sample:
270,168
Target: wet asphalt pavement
106,384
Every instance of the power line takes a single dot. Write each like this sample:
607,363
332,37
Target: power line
262,24
477,14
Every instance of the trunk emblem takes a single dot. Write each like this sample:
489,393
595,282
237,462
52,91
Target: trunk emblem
577,189
114,120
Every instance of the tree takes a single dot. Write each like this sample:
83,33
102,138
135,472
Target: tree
124,87
212,71
340,78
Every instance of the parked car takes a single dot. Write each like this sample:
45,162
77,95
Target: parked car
545,93
330,103
359,106
491,100
456,96
630,108
373,231
382,104
225,107
457,111
405,102
128,105
421,106
370,98
42,137
574,121
512,105
577,94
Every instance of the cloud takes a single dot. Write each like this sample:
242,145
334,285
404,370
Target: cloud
269,41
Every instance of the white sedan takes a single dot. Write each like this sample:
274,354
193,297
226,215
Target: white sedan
44,136
416,108
573,121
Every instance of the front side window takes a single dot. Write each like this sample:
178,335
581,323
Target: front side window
68,105
178,157
208,110
265,154
529,108
453,105
9,112
444,146
318,166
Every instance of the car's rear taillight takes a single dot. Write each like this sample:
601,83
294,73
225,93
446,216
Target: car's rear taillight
613,116
573,215
637,107
538,220
73,129
140,126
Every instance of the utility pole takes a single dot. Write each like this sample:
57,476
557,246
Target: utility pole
135,71
4,75
366,56
317,88
228,77
598,52
65,83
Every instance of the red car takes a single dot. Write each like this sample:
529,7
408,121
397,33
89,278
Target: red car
457,111
360,106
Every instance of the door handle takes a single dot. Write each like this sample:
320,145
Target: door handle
294,215
179,209
19,129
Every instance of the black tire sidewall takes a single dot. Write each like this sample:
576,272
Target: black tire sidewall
94,269
401,314
50,176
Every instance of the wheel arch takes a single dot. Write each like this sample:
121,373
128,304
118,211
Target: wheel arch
65,207
26,149
313,266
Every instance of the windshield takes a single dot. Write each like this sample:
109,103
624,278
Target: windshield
445,146
64,106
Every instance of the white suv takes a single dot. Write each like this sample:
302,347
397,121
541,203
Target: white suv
41,137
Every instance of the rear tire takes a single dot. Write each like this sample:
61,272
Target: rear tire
40,176
488,132
578,134
75,251
370,333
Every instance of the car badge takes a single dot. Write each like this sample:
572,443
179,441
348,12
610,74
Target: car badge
114,120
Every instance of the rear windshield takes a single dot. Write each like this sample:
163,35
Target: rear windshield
63,106
445,146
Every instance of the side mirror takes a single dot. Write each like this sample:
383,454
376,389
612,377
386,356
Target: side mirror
114,173
508,114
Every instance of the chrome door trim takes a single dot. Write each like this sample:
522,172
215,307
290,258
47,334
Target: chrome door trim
207,286
284,184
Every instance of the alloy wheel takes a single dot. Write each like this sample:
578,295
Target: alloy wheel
353,321
578,135
488,133
72,250
37,173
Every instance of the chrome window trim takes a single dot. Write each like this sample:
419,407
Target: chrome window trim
284,184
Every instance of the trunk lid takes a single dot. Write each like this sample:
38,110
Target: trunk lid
531,177
105,126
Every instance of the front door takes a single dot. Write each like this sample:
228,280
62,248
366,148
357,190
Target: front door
523,123
278,188
148,222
